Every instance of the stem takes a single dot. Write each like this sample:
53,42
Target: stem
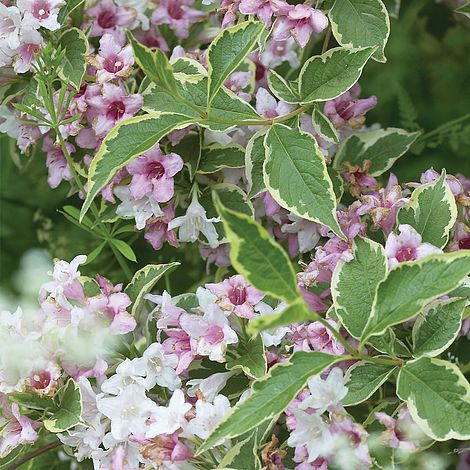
122,262
356,354
34,454
263,122
326,40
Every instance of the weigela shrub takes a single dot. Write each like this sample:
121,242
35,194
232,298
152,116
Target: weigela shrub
325,331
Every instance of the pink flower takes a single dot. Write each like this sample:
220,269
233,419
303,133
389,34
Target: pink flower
383,205
56,163
152,173
39,13
157,229
31,42
239,81
151,38
348,109
44,381
299,21
315,336
18,430
358,179
408,246
110,106
178,14
179,342
113,60
268,107
461,237
264,9
236,295
109,18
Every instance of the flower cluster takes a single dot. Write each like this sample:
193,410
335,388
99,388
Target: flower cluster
328,286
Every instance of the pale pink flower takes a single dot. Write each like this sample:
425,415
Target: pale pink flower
151,38
163,449
210,333
39,13
268,107
400,433
109,18
113,60
152,173
117,302
44,381
348,108
18,429
236,295
10,26
31,42
407,246
317,337
299,21
178,14
220,256
111,106
57,165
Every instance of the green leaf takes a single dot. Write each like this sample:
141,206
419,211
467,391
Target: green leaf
242,455
226,108
296,176
124,248
32,401
354,284
127,140
432,211
270,395
189,149
154,64
364,378
282,89
438,397
250,357
254,160
74,64
324,127
69,411
411,285
437,329
69,7
361,23
296,312
382,148
255,255
464,10
325,77
227,51
217,157
393,7
143,282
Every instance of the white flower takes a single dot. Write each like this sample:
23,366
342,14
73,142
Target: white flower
326,394
127,373
195,221
169,419
160,368
8,121
139,209
31,42
140,7
312,433
207,416
308,232
39,13
10,24
273,336
128,412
